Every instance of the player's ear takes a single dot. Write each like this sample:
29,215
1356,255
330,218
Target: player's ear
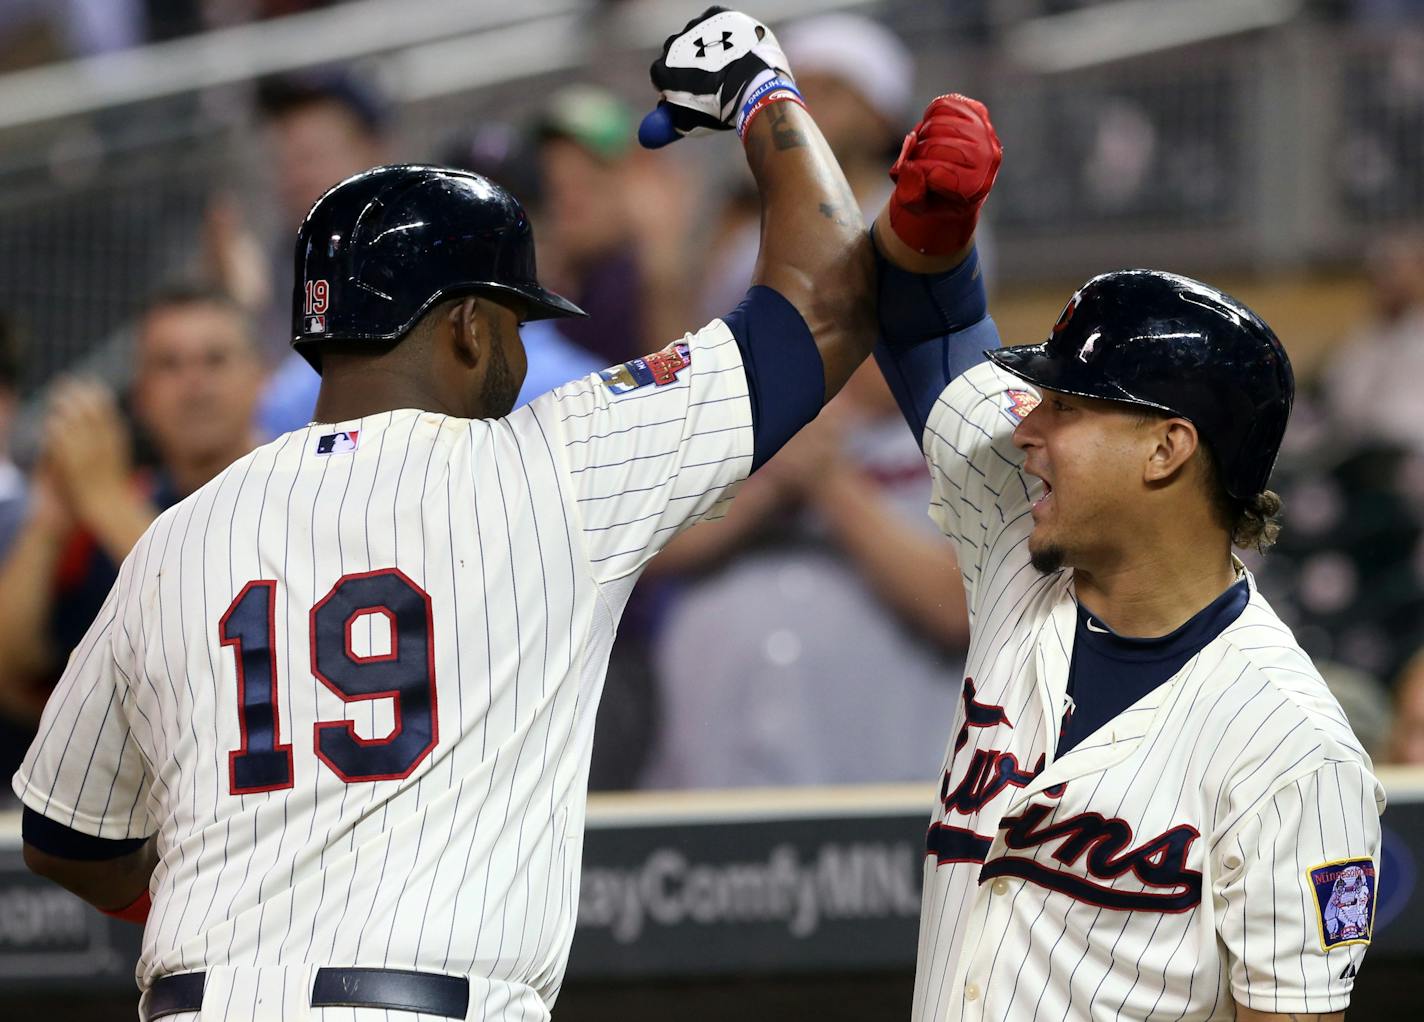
1174,441
466,332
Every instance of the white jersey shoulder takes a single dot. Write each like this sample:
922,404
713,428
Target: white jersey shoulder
1298,725
1268,644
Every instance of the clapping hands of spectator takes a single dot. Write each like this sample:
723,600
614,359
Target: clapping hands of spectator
88,457
86,444
81,482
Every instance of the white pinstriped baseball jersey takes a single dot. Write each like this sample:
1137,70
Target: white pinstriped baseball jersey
1198,849
433,601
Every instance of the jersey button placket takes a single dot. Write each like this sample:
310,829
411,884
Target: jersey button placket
986,907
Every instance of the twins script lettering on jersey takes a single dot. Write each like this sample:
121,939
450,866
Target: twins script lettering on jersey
1102,844
990,771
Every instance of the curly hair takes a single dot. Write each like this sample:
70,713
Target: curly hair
1256,523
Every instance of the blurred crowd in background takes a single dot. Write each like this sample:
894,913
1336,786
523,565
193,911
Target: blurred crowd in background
817,634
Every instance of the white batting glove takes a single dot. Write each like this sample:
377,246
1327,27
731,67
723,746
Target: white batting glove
715,75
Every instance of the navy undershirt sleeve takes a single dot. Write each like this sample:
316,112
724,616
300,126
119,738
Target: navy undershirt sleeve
933,327
64,842
786,380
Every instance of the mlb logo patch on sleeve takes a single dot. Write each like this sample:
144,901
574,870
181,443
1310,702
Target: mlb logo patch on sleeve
337,443
658,369
1344,901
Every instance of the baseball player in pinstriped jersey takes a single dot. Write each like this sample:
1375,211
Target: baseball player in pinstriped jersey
329,736
1151,806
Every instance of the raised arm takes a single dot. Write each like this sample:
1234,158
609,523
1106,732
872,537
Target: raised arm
814,250
658,443
931,303
725,71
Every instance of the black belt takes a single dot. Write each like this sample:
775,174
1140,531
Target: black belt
396,989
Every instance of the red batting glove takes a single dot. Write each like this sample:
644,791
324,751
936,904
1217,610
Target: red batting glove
946,168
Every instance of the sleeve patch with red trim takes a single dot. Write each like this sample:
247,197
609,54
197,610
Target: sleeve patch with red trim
1016,404
658,369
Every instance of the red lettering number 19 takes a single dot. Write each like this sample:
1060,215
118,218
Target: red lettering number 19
318,297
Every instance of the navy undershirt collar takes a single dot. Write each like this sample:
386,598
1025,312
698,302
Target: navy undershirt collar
1200,629
1110,672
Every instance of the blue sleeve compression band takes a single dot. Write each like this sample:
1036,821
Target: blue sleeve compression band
933,327
785,378
65,843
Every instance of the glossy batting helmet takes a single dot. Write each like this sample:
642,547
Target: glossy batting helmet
380,249
1177,345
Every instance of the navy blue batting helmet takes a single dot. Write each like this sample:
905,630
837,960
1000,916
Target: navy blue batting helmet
1182,347
382,248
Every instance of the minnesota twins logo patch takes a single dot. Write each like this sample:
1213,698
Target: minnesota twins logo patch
1344,901
658,369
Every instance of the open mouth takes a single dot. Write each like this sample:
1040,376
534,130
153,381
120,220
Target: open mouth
1046,496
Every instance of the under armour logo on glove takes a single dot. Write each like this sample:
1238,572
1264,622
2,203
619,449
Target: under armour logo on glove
725,42
707,70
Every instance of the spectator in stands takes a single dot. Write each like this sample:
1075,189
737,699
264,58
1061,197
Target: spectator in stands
1406,743
1344,571
1372,385
196,380
839,610
12,481
858,76
15,705
322,128
820,635
500,153
613,223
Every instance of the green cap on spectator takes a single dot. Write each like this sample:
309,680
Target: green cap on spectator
589,115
